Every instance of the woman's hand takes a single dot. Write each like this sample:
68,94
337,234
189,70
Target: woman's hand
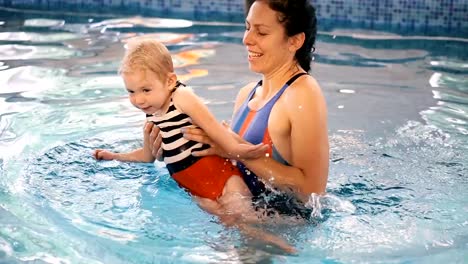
197,134
154,138
245,150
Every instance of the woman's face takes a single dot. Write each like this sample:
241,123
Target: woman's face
265,38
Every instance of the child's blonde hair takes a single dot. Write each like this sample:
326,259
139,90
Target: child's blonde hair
147,54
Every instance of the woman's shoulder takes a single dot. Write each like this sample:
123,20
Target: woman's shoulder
305,85
305,91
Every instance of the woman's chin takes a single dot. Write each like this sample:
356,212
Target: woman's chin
255,69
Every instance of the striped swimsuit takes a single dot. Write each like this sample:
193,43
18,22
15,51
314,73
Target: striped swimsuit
201,176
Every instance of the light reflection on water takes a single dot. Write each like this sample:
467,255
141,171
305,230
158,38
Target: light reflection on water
398,148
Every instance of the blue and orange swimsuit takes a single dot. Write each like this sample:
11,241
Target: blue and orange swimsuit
252,125
201,176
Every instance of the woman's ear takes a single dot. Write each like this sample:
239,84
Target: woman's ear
296,41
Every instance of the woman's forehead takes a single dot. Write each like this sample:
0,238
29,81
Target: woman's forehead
261,14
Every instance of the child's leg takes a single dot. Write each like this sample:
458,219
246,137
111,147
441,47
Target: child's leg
234,202
238,211
236,198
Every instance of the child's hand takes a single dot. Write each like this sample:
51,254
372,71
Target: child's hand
101,154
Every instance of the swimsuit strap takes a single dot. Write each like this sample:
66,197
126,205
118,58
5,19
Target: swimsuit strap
241,114
295,77
177,85
252,92
286,85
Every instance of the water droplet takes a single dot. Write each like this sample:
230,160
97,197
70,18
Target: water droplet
347,91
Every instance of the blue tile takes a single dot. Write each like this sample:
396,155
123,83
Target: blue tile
449,14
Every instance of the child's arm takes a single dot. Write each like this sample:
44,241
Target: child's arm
139,155
189,103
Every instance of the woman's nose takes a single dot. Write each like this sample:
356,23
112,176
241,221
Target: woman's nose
247,40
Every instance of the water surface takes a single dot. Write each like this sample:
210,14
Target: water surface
397,121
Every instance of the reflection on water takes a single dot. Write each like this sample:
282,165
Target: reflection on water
398,126
452,103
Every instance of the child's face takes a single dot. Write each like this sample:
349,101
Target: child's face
147,91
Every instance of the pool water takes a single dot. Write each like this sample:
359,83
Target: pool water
398,132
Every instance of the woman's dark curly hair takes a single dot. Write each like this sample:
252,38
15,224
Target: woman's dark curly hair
297,16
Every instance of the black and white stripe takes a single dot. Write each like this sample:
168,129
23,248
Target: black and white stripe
177,150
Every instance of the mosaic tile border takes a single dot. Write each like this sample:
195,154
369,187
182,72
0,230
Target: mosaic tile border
450,16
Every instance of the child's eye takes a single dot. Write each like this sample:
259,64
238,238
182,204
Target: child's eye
146,90
130,92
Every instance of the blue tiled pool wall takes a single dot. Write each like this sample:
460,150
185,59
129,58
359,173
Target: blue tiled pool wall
451,16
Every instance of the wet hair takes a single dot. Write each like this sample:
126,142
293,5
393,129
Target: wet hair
297,16
147,54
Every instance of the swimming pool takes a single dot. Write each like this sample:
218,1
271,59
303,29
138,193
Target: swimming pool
398,131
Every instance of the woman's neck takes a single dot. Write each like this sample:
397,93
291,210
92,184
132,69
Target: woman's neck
274,80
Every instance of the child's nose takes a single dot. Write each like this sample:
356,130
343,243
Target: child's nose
139,99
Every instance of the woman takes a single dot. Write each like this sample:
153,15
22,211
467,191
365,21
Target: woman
285,110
